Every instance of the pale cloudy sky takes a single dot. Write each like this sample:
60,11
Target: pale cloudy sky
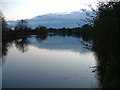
25,9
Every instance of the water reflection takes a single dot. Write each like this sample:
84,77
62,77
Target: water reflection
22,44
51,42
5,46
41,37
49,61
60,43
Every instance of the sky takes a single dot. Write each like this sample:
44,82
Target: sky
26,9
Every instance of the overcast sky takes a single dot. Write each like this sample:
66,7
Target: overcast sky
25,9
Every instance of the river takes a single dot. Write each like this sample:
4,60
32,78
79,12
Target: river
50,62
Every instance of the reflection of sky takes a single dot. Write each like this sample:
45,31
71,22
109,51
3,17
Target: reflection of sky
59,43
23,9
48,68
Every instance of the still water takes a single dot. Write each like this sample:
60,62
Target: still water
52,62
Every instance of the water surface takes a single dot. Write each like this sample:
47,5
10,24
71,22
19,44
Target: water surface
52,62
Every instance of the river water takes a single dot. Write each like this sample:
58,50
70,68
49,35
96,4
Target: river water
51,62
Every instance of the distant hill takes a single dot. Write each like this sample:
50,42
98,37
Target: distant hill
56,20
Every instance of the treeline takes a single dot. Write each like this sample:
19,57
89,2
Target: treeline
21,29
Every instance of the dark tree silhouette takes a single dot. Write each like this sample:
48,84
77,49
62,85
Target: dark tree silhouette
106,42
3,22
40,27
41,30
21,25
86,32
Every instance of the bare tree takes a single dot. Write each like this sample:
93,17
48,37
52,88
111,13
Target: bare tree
21,25
3,24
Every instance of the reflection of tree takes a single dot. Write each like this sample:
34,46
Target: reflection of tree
22,45
5,47
41,37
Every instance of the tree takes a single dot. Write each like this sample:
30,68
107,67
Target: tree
106,26
40,27
86,32
21,25
3,22
106,42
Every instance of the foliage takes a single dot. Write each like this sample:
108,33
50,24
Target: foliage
106,42
87,32
41,27
3,22
21,25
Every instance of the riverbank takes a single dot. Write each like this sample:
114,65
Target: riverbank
112,77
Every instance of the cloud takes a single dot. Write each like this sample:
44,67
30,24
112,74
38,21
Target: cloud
56,20
114,0
25,9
